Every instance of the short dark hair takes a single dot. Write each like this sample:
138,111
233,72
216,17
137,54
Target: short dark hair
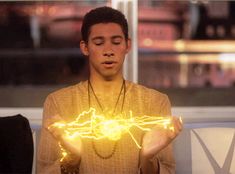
103,15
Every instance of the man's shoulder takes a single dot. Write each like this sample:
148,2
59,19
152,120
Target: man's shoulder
68,91
144,90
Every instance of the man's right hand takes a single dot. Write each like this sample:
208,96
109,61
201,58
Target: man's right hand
73,146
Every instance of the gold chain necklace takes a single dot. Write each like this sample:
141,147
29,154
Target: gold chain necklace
89,103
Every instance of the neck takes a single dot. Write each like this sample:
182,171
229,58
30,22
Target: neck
106,87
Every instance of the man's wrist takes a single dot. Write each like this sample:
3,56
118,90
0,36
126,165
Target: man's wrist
68,169
70,164
148,166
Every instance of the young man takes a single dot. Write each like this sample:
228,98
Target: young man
105,42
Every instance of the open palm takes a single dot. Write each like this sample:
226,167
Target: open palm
158,138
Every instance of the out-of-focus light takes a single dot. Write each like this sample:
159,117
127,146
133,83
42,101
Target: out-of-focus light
183,58
199,1
52,11
227,61
179,45
148,42
198,70
227,58
39,10
194,1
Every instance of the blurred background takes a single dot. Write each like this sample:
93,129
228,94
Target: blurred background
186,49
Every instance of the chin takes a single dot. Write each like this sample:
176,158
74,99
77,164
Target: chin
109,78
110,75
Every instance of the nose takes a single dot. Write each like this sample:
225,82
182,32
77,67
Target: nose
108,51
109,54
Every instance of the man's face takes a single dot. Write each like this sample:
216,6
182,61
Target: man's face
106,49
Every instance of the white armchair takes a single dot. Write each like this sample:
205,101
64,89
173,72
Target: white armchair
206,150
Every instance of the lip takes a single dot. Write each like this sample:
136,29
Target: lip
109,64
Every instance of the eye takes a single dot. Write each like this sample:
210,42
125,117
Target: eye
99,43
117,41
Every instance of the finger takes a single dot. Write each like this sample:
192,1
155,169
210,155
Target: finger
171,127
177,125
174,128
73,147
56,132
172,134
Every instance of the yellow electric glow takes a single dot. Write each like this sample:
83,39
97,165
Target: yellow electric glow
98,126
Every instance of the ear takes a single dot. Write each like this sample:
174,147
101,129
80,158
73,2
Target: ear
84,48
128,47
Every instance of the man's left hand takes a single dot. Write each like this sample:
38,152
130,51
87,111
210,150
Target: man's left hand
159,137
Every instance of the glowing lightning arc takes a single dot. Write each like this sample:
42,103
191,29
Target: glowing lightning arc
98,127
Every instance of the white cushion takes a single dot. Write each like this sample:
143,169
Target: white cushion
213,150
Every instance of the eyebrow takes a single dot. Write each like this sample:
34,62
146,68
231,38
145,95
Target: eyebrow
97,38
101,37
116,37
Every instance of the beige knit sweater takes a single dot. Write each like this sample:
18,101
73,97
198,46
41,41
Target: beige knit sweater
69,102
